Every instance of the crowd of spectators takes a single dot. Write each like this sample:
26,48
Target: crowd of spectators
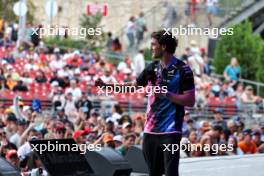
67,80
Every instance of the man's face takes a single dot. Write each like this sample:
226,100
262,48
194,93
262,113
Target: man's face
156,48
247,138
129,142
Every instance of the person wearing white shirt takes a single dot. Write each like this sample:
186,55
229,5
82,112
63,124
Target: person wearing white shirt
107,77
76,91
56,63
139,62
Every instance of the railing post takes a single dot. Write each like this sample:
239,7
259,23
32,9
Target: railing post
258,89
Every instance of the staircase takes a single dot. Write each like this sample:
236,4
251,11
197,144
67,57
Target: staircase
231,12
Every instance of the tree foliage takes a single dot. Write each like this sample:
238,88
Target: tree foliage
245,46
93,22
6,10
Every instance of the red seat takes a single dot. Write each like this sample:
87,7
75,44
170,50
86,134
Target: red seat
230,105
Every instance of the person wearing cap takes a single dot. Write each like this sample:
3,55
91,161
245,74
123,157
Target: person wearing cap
108,141
165,112
21,127
118,140
12,157
110,125
257,140
126,128
79,136
11,125
247,145
218,118
128,141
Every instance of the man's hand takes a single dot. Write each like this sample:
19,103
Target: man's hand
100,83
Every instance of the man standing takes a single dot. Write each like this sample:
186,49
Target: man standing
165,111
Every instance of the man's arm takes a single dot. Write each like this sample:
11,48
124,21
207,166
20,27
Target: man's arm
185,99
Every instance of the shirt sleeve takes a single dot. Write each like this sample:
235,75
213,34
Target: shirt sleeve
187,79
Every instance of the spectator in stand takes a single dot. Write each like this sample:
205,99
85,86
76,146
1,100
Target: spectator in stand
140,27
108,77
31,65
232,141
196,61
139,62
126,128
211,137
118,140
12,157
20,86
60,131
5,143
117,112
139,124
74,61
40,77
249,97
130,32
3,84
128,141
69,106
25,77
11,125
56,62
247,145
257,140
76,91
233,71
84,104
218,119
21,127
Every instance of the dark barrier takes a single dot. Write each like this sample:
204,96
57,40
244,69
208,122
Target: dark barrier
108,162
136,159
6,169
68,162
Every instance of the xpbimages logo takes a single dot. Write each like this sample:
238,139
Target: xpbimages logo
60,147
70,31
116,89
186,31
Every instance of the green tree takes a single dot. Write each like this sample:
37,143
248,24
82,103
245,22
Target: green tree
90,23
243,45
260,65
6,10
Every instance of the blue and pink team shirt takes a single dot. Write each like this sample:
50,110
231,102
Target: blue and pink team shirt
162,115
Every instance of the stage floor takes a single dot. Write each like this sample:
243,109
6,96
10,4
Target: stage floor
248,165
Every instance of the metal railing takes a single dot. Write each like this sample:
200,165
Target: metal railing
258,85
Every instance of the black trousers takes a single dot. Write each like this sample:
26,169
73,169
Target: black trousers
159,158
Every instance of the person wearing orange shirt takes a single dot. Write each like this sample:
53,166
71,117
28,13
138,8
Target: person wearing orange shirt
247,145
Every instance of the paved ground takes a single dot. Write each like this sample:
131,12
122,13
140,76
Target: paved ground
250,165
